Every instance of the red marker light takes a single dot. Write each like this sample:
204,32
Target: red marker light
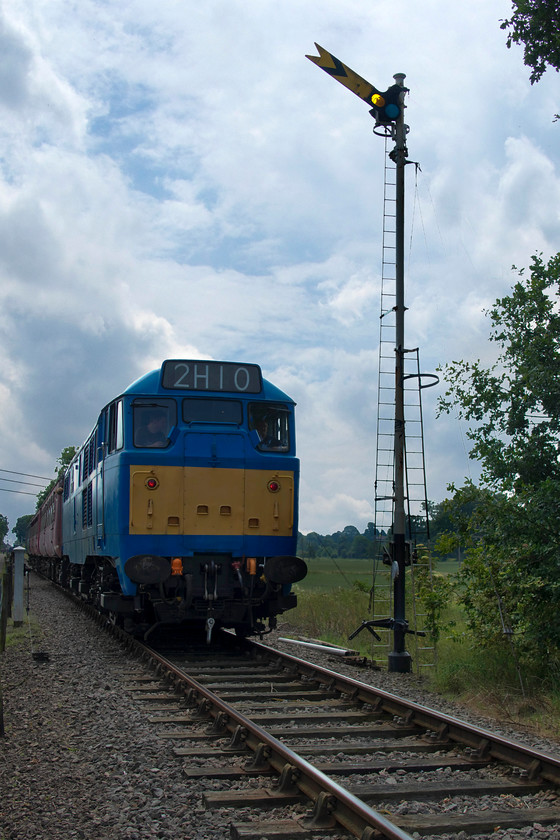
273,486
152,483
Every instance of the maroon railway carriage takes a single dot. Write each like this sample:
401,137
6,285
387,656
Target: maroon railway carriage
45,531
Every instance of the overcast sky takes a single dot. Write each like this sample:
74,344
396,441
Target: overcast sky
178,180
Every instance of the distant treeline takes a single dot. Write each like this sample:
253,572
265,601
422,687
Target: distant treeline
351,543
346,543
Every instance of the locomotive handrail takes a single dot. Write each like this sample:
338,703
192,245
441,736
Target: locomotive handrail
101,449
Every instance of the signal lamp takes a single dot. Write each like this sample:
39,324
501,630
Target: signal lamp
273,486
152,483
387,106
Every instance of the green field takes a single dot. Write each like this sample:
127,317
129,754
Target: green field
327,573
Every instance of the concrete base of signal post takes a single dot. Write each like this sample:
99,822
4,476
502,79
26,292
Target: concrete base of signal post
399,663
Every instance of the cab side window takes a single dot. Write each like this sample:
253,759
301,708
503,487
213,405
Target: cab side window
272,425
153,421
115,428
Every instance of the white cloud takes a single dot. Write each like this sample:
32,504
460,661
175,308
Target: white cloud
177,179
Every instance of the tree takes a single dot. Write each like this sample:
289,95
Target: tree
509,580
63,461
21,528
362,547
516,403
3,528
536,24
512,570
442,525
346,543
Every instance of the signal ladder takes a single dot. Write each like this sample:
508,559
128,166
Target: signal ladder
422,650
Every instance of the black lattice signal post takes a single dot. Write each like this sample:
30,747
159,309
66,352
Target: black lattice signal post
387,108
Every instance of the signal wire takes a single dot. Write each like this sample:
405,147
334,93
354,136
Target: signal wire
27,475
16,481
22,492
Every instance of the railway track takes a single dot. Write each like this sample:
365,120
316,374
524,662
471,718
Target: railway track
276,732
289,749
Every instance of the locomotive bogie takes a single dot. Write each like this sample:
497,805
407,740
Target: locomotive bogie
181,506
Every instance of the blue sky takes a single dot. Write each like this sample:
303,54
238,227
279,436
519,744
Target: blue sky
178,180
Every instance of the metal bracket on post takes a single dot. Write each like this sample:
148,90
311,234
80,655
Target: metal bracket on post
387,624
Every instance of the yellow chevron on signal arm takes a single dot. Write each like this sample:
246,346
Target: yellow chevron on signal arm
343,74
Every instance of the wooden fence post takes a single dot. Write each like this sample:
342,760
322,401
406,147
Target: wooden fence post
5,602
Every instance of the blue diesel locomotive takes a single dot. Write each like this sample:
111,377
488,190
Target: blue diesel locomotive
181,506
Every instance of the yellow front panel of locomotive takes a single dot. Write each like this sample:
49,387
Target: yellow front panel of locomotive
269,512
214,500
207,500
156,500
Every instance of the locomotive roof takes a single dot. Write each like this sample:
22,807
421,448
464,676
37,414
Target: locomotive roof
150,384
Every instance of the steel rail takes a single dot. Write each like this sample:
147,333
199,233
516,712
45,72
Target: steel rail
446,727
345,808
332,803
534,763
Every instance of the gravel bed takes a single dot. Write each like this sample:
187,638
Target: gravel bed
80,759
